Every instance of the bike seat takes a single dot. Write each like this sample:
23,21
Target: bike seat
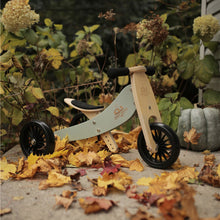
82,106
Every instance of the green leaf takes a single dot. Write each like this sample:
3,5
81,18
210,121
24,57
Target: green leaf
6,57
164,17
173,96
212,45
53,110
131,60
211,97
72,75
3,132
96,38
172,107
29,97
178,109
186,69
185,103
86,28
1,89
31,36
17,116
204,70
37,92
164,104
166,117
94,27
174,121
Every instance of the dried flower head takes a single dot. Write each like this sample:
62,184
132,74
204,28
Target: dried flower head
17,15
82,47
206,27
108,15
153,31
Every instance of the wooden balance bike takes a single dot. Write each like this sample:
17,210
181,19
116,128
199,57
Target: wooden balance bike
158,144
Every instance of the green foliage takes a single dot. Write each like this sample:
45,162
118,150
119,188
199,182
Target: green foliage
170,107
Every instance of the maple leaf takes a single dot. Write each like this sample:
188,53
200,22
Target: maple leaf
93,205
136,165
192,136
65,202
118,159
99,191
6,169
109,167
54,180
144,181
61,144
118,180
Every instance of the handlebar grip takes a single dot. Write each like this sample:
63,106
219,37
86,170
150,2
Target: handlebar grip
124,71
150,70
115,72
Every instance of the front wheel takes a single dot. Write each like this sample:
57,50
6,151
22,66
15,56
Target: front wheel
167,143
37,137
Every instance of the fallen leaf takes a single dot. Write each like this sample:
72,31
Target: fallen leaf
192,136
6,169
118,159
99,191
17,198
65,202
218,170
217,196
54,180
141,214
60,144
69,194
118,180
5,211
144,181
93,205
109,167
136,165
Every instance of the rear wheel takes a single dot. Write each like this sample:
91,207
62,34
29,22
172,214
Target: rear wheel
167,143
37,137
78,118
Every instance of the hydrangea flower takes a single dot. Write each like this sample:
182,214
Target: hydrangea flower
206,27
17,15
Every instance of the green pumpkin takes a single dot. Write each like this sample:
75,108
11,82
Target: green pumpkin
205,121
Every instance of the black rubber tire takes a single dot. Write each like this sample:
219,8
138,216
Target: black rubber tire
37,137
168,146
78,118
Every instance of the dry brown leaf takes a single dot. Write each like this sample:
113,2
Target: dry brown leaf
5,211
69,194
192,136
141,214
93,205
118,159
65,202
99,191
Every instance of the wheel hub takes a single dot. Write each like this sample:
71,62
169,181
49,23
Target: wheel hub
33,141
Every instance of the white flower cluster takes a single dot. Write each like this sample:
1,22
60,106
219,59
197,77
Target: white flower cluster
206,27
17,15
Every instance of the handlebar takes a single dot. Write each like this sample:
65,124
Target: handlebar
124,71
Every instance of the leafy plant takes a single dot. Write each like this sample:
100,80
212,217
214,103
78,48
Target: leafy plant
170,107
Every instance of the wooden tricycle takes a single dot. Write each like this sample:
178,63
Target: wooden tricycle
157,143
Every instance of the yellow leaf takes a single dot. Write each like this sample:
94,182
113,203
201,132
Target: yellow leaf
17,198
192,136
53,110
136,165
103,154
54,180
48,22
144,181
61,144
58,27
118,159
118,180
6,168
37,92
